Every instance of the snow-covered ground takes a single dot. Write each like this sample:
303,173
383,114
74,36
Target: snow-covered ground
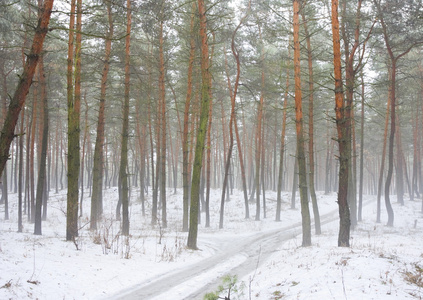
381,263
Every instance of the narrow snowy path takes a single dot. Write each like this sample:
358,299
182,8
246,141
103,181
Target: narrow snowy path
236,255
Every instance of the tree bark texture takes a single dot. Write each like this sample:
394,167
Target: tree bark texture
185,139
97,189
202,128
305,212
74,105
341,125
123,175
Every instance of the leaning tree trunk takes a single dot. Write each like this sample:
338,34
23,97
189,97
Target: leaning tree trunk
25,81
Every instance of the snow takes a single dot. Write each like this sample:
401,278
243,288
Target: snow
104,264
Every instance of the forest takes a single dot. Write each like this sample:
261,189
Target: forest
164,98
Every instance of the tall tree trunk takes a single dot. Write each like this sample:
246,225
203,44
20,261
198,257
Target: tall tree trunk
97,189
341,125
305,213
42,170
163,126
263,175
202,128
282,150
74,106
416,150
4,95
360,191
258,132
208,171
35,105
20,176
209,145
382,164
391,149
123,175
84,155
312,190
185,138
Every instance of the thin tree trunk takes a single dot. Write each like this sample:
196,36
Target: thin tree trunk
42,171
416,151
163,127
360,191
123,175
83,155
258,132
399,166
262,167
382,165
294,182
282,150
312,190
20,176
209,146
391,149
233,94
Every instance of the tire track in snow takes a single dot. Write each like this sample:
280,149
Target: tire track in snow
240,257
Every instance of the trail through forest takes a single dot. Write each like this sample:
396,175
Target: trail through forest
235,256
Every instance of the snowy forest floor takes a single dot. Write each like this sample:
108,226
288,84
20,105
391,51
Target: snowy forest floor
382,262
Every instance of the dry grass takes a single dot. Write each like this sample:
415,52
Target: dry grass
415,276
